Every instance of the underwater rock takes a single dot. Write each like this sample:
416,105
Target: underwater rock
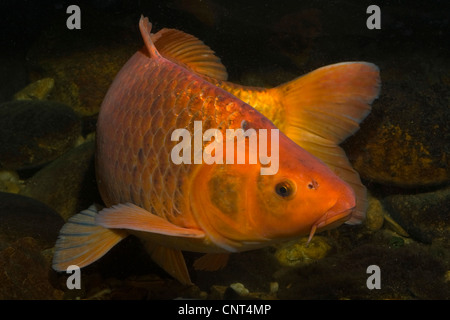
237,291
240,289
404,141
67,185
24,272
33,133
297,252
374,215
21,216
83,64
10,181
217,292
38,90
425,216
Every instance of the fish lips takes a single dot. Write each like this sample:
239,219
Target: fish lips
333,218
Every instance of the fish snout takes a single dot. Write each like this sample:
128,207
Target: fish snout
339,213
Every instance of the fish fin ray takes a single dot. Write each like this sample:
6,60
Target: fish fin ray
172,261
81,241
130,216
211,261
179,46
331,101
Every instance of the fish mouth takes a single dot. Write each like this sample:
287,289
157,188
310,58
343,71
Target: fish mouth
330,219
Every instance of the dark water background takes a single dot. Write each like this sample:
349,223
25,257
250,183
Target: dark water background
401,151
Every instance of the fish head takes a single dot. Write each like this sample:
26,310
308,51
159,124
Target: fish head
302,197
239,208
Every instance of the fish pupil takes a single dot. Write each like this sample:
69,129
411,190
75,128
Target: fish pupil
283,189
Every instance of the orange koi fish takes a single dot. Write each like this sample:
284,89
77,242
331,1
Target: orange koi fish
217,208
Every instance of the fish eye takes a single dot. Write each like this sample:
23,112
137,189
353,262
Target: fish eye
285,189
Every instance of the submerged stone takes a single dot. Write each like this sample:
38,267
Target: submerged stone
374,215
298,252
404,141
67,184
10,181
21,216
425,216
24,272
38,90
33,133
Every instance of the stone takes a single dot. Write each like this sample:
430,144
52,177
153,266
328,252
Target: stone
24,273
21,216
404,141
10,181
38,90
66,185
33,133
375,214
298,252
217,292
425,216
240,289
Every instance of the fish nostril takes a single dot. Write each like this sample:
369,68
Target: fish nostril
313,185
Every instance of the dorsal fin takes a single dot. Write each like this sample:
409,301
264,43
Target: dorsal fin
185,49
146,27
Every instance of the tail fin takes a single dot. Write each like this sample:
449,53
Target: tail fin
81,241
325,107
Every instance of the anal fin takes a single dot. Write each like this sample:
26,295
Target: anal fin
172,261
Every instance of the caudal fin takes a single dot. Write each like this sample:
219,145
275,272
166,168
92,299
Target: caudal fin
81,241
326,106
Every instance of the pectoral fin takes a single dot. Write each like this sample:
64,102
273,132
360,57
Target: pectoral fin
81,241
130,216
